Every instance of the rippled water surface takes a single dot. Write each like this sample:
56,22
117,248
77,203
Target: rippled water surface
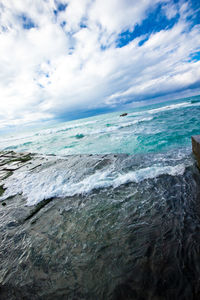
93,225
152,128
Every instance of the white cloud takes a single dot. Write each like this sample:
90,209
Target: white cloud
170,10
74,14
49,70
124,13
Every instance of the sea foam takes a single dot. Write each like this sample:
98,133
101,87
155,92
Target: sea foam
56,182
169,107
154,128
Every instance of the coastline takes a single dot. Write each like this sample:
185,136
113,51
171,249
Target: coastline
104,244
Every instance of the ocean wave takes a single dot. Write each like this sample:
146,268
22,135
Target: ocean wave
55,182
15,147
121,125
128,124
63,128
169,107
54,130
165,108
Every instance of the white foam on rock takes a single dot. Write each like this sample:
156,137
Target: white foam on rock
53,182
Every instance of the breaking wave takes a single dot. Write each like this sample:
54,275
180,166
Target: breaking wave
60,181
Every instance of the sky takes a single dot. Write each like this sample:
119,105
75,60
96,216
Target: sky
61,60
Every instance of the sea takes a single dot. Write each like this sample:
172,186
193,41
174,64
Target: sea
131,185
158,136
156,128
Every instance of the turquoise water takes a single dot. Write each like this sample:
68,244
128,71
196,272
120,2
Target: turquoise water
151,128
117,226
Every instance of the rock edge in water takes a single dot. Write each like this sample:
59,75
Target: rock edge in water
10,162
139,241
196,148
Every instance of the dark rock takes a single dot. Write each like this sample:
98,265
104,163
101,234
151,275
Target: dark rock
2,190
12,224
123,115
79,136
3,203
196,148
107,244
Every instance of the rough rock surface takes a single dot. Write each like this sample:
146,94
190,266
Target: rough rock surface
196,148
140,241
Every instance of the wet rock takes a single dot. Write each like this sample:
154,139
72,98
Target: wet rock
13,166
138,241
3,174
2,190
196,148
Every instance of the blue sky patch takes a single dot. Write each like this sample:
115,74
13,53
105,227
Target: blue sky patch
83,25
143,41
61,6
27,22
195,56
195,5
155,22
63,24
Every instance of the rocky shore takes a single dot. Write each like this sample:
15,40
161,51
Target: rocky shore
135,241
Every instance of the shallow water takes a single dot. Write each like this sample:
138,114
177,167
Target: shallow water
106,226
137,240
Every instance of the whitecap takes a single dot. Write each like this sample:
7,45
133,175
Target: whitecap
169,107
128,124
54,182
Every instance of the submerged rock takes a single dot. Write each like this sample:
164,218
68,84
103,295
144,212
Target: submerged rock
132,241
1,190
79,136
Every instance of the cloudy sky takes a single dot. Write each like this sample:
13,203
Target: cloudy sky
69,58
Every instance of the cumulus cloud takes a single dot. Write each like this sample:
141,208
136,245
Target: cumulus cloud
58,57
